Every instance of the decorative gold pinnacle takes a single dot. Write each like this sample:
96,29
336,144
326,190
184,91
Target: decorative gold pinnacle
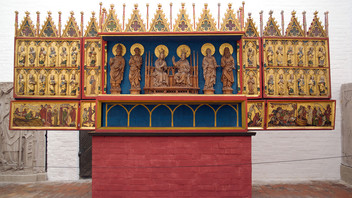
72,13
271,13
159,6
93,14
49,13
205,6
183,5
249,14
136,6
27,13
16,12
293,13
229,5
37,12
316,13
112,6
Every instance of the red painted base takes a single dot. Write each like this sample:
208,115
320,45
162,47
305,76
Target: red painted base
171,166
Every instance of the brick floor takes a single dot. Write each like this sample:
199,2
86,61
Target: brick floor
83,188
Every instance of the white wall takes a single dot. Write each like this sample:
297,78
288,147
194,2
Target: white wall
268,146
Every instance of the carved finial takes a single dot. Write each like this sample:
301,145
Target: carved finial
16,12
104,10
327,12
304,12
193,4
37,12
243,3
171,4
219,4
27,13
135,6
159,6
183,5
82,13
293,13
72,13
205,6
271,13
49,13
112,6
101,3
261,12
282,12
230,5
249,14
124,5
316,13
93,14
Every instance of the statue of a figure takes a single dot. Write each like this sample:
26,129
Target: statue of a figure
250,57
321,57
311,85
52,84
21,56
92,83
160,75
42,84
21,84
63,57
270,56
52,56
74,55
281,85
251,84
300,56
42,56
290,54
271,85
209,70
73,84
291,85
31,84
31,56
227,64
182,77
63,85
280,54
93,57
310,56
322,86
117,67
301,83
135,69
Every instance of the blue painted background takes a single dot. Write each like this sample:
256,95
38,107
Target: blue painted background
150,43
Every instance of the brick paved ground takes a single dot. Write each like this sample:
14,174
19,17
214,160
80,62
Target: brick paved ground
83,188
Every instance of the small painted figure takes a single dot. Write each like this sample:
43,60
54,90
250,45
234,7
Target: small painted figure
311,85
251,57
21,56
271,85
74,85
281,85
209,69
31,84
309,115
74,55
135,69
227,64
72,116
52,84
182,77
117,67
280,55
300,56
321,57
160,75
251,83
42,84
93,57
42,56
301,85
52,56
322,86
270,56
21,84
31,56
92,83
310,56
63,85
290,54
291,85
63,57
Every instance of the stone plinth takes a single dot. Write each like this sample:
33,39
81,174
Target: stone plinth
346,133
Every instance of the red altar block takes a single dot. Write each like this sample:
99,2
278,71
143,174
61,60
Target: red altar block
152,165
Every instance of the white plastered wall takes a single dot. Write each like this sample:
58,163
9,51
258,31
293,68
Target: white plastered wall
268,146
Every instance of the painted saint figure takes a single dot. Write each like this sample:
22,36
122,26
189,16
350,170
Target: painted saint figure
21,56
251,83
117,67
280,55
270,56
92,57
301,85
160,76
42,56
42,84
182,77
63,57
21,84
291,85
321,57
250,57
290,55
52,84
300,56
74,55
31,84
322,86
92,83
271,85
63,85
135,69
281,85
73,84
209,70
310,56
32,56
227,64
311,85
52,56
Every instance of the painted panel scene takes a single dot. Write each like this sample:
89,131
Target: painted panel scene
44,115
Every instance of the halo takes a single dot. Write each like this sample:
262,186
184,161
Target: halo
179,50
205,47
123,49
134,46
223,46
158,49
